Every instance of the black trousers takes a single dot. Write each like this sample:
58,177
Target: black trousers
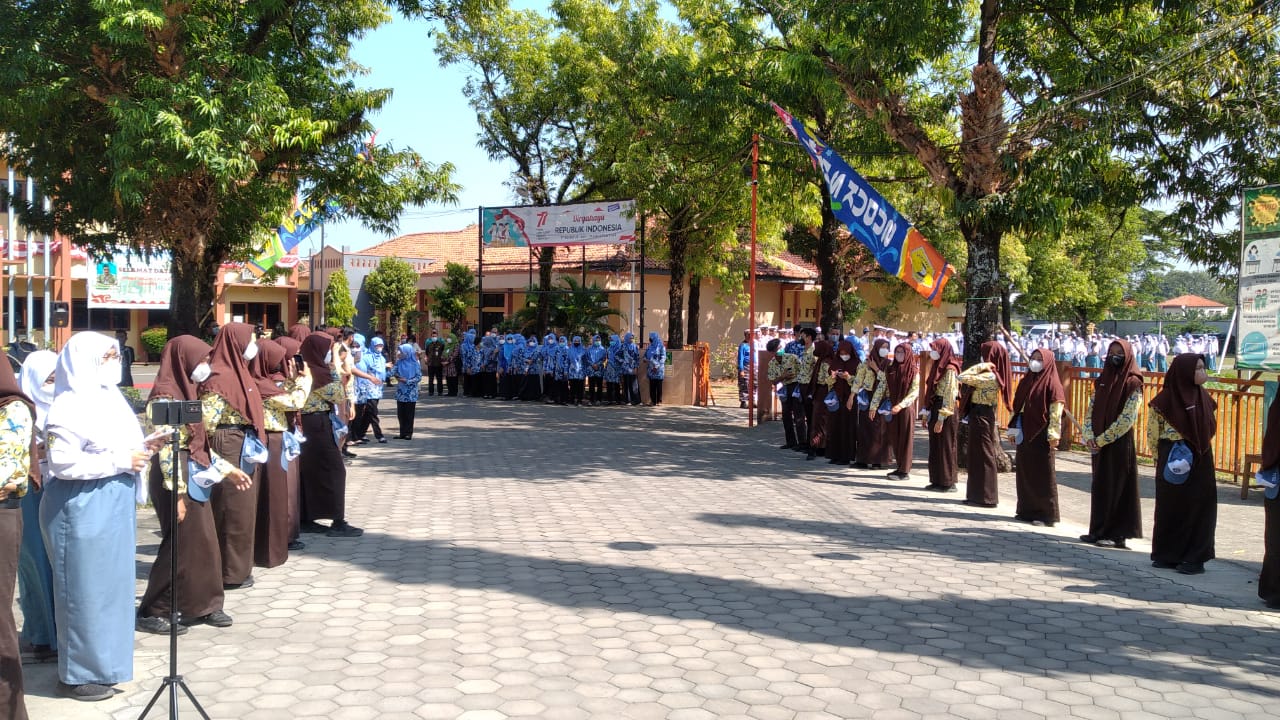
794,424
404,413
655,391
366,418
613,392
452,383
576,387
435,380
630,390
595,389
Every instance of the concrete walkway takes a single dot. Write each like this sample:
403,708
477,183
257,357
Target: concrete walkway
526,561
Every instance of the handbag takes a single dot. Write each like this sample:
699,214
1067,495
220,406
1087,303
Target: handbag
1177,467
832,401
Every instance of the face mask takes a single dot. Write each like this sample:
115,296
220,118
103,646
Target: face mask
328,357
845,357
201,373
935,354
531,346
109,372
596,343
884,352
251,351
1116,360
1035,366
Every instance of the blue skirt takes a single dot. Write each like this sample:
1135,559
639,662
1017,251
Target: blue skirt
89,530
35,577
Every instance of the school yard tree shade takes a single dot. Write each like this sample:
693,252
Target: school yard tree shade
191,127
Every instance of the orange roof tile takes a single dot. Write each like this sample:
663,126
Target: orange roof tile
1190,301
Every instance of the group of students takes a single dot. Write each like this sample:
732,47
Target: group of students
261,467
558,370
862,411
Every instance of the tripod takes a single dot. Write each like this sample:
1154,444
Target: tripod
173,680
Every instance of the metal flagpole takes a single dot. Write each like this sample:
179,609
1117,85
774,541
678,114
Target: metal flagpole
751,369
480,268
641,277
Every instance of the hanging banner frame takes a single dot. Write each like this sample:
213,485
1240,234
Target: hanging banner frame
1258,294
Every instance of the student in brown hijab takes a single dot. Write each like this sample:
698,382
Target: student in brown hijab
900,384
989,382
284,391
232,405
183,363
324,476
1269,578
1186,512
299,332
293,350
823,353
940,396
17,443
1037,408
841,443
874,450
1115,513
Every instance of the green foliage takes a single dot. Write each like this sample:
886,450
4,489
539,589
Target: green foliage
853,306
393,288
154,339
575,310
457,291
339,310
190,127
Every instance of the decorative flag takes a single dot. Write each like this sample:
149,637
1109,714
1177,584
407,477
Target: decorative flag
898,247
289,235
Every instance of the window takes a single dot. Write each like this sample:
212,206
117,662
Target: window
24,321
82,318
157,318
304,304
264,314
494,300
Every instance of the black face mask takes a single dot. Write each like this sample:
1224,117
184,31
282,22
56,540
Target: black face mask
1116,360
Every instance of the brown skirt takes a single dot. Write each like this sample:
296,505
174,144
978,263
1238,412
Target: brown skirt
1115,511
872,439
1269,579
1186,515
12,702
1037,480
901,437
198,589
235,512
841,434
982,487
273,528
324,476
942,448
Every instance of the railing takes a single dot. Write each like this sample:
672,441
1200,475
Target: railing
1241,411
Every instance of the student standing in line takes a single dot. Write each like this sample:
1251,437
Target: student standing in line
17,443
900,384
991,381
941,393
1115,513
1037,407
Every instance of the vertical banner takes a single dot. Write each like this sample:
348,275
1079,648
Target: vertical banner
129,282
898,247
1258,303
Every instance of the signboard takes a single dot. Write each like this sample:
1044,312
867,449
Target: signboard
128,282
609,222
1259,299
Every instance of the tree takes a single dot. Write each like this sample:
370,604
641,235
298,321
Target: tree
577,309
393,288
339,311
189,128
450,301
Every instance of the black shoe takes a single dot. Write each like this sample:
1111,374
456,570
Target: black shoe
347,453
809,455
801,448
788,446
218,619
312,526
344,530
1273,604
382,441
248,583
979,504
89,692
1088,538
1163,565
1120,544
742,406
155,626
1190,568
295,545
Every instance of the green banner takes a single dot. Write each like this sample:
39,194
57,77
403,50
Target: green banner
1261,212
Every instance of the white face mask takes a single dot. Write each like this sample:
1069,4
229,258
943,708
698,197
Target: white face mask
845,357
884,352
201,373
1035,366
328,357
250,351
935,354
109,372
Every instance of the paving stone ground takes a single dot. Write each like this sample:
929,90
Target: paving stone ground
540,562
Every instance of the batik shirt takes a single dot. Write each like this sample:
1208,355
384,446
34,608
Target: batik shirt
629,359
982,378
783,368
407,388
596,366
1123,424
948,389
276,407
613,361
560,362
577,363
218,413
15,446
806,360
1159,429
882,391
374,364
323,399
165,454
655,363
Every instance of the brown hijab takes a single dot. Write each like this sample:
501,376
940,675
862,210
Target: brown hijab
947,359
291,347
822,352
1036,393
314,348
1186,406
299,332
900,375
173,381
878,363
1114,387
268,368
231,379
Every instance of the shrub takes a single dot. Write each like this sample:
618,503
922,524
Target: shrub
154,339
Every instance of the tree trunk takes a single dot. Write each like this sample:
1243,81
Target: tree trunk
695,302
191,300
678,243
1006,306
546,258
983,284
831,314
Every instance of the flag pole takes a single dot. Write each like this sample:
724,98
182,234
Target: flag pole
751,369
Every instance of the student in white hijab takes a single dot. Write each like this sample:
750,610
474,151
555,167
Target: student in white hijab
88,516
35,577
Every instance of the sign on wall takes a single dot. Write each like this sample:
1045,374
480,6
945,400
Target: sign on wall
1259,298
129,282
610,222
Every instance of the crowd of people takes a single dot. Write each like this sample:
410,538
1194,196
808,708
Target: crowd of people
859,408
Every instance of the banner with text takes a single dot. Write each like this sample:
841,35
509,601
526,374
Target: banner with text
129,282
278,249
897,246
610,222
1259,299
